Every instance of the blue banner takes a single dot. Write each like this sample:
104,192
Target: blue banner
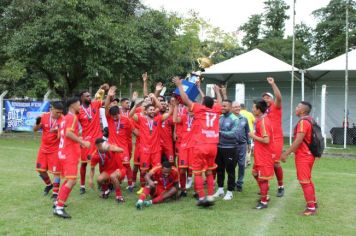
21,115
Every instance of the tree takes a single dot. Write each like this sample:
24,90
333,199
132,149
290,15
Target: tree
274,18
330,30
252,29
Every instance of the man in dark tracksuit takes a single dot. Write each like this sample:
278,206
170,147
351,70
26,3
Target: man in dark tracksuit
226,157
242,141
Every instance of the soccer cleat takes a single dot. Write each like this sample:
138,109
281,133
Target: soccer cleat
183,194
105,194
82,190
228,196
196,196
206,202
47,189
280,192
120,199
308,212
261,206
61,213
219,193
130,188
139,205
147,203
189,183
54,196
140,191
238,188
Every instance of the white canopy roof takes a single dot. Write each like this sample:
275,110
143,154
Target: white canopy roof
255,63
334,68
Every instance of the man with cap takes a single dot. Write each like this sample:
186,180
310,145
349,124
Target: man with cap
274,113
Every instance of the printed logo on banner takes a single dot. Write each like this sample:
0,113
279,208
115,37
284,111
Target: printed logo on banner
21,115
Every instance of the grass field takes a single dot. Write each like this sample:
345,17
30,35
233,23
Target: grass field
24,211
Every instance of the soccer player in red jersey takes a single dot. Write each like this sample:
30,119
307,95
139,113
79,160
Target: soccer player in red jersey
166,132
104,155
304,159
274,113
150,148
69,154
47,158
162,183
184,149
120,131
205,139
263,152
89,119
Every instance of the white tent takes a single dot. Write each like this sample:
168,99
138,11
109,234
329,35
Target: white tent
332,73
250,65
251,69
334,68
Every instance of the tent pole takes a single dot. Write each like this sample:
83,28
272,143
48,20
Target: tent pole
1,109
292,80
346,74
323,112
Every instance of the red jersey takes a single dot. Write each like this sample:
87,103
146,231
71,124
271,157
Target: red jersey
119,131
179,129
50,133
303,150
67,146
263,152
149,133
274,114
89,119
165,132
106,161
187,123
165,182
206,129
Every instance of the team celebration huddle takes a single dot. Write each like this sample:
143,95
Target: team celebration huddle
162,146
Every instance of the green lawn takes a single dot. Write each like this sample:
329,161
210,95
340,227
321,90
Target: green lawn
24,211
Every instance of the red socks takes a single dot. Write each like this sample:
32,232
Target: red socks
309,194
83,171
142,179
118,192
134,173
199,186
183,179
129,174
279,174
63,195
211,184
263,184
56,183
190,172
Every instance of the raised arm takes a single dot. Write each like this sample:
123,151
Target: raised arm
218,94
166,115
223,92
132,112
109,97
277,93
158,89
99,95
202,94
145,84
155,101
177,81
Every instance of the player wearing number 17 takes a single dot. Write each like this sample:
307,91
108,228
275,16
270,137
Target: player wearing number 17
69,154
205,139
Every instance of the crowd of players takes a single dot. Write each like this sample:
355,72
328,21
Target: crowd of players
174,140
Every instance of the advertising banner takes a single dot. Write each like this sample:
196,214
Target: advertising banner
21,115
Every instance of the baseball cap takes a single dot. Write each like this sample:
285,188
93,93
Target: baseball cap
268,94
